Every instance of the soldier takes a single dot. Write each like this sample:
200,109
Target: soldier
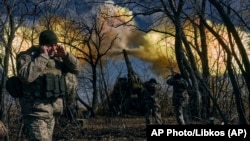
42,70
180,97
71,96
151,98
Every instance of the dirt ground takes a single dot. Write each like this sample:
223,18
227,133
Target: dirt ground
130,128
104,129
98,128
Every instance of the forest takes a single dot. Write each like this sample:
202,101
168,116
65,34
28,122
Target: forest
207,41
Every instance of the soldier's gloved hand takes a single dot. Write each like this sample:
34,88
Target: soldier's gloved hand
60,51
44,49
3,130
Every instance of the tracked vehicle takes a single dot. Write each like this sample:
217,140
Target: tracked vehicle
127,94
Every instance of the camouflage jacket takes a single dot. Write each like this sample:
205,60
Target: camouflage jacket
179,87
152,93
3,130
31,66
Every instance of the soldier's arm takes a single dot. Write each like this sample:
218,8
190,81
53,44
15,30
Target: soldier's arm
28,68
159,93
72,63
184,83
171,81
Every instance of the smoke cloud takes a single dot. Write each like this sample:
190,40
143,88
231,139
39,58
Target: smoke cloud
151,47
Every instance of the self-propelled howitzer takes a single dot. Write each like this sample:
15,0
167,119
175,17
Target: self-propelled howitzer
127,95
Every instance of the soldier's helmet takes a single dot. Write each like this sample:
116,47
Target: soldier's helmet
47,37
177,76
153,80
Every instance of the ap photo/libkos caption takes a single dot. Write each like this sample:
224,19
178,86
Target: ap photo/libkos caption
225,132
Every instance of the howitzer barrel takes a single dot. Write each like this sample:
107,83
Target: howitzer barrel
128,64
134,82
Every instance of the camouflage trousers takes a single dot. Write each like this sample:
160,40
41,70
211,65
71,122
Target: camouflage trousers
153,112
37,129
180,111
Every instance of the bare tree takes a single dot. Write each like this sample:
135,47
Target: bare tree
96,43
159,13
234,36
12,17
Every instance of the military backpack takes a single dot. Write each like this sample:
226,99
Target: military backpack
14,87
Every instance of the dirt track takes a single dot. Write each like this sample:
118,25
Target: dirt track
99,128
105,129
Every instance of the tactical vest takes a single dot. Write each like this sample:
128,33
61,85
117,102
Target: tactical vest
52,82
55,81
49,84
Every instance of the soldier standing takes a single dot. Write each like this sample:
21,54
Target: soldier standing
151,98
71,96
179,98
42,70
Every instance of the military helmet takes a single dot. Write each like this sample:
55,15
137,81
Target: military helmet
47,37
177,76
153,80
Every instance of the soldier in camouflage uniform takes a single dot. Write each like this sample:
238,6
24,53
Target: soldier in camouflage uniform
42,70
152,101
71,96
180,98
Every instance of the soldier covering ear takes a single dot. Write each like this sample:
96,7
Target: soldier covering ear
42,70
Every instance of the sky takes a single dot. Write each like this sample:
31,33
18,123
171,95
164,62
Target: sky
151,49
149,55
143,47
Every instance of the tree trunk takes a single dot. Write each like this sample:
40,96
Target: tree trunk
182,62
95,94
231,29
